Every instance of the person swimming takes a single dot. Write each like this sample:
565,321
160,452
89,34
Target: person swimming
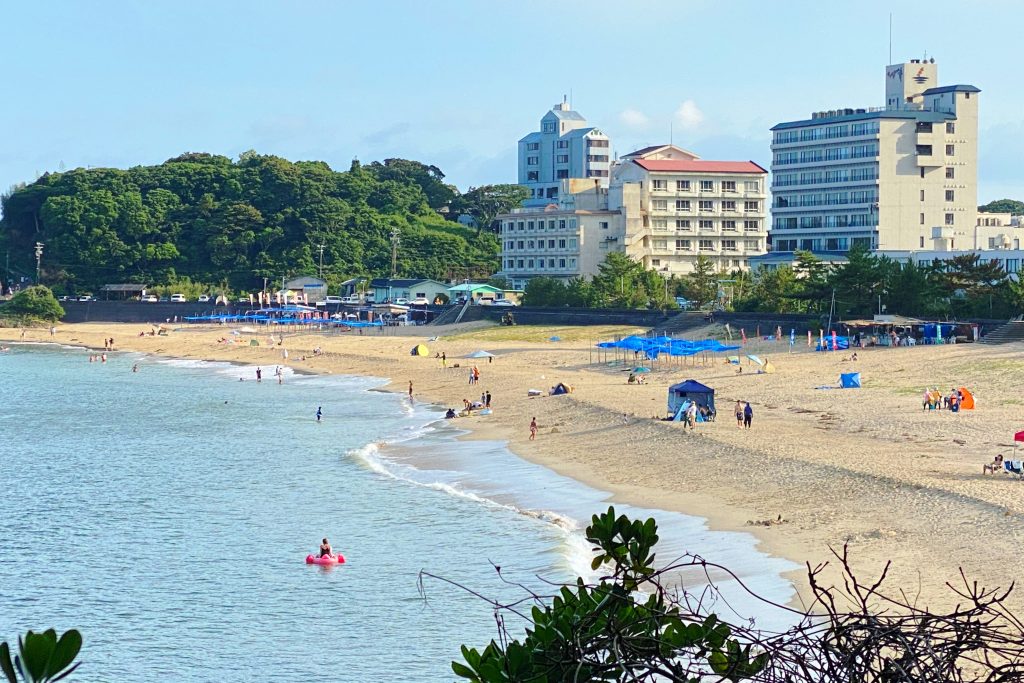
325,549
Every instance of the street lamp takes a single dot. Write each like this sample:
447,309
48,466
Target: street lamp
321,261
39,259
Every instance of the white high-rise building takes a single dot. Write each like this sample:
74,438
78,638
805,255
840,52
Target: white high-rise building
903,176
564,148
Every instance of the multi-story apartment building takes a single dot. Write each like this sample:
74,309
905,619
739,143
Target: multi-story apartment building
689,207
564,148
664,207
892,177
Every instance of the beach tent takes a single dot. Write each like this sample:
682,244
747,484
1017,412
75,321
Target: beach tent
480,354
254,342
849,380
419,350
768,367
690,390
967,400
755,359
560,389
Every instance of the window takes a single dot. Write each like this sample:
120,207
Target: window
751,206
572,223
599,158
510,263
682,186
949,219
922,195
561,263
920,244
560,174
949,196
751,245
682,224
655,262
728,206
553,191
683,245
706,205
659,185
729,245
529,225
924,127
706,225
548,127
922,219
532,161
950,150
533,146
1012,265
519,263
572,263
950,128
992,243
561,244
551,244
707,245
728,186
596,143
529,244
572,242
561,224
924,151
660,244
529,263
729,226
520,244
659,205
707,186
751,226
551,263
562,159
660,223
682,205
604,225
563,144
551,225
532,176
922,173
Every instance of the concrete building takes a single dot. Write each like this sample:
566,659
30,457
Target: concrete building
664,207
564,148
387,290
898,177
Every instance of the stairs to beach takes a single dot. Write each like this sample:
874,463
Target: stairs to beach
1009,333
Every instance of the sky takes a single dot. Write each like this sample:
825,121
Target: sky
456,83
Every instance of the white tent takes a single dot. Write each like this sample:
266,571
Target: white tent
480,354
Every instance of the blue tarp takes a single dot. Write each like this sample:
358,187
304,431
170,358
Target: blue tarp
652,347
842,342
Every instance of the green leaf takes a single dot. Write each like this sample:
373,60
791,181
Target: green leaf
64,652
5,663
35,651
463,671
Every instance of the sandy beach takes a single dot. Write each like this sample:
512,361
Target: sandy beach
867,467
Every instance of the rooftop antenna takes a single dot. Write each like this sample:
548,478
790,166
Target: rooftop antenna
890,37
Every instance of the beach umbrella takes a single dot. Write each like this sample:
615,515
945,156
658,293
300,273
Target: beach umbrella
480,354
641,369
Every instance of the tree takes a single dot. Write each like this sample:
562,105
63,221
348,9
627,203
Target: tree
544,291
486,202
34,303
701,286
428,178
1011,206
857,282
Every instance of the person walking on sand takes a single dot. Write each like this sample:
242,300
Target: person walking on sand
487,403
533,429
738,409
471,375
444,360
319,413
476,375
259,374
748,415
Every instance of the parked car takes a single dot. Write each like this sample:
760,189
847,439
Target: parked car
419,301
86,297
203,298
64,298
682,303
351,299
243,299
178,298
503,302
333,300
150,299
401,301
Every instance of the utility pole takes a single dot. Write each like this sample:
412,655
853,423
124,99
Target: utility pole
39,259
322,261
396,238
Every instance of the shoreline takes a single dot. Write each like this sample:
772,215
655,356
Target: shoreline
900,486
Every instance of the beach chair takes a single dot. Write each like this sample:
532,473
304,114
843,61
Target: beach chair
1014,467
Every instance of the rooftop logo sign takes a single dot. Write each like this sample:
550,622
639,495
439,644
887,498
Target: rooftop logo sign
920,77
896,73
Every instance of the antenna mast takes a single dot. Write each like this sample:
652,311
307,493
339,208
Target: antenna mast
890,37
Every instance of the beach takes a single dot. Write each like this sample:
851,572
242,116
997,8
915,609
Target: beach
865,467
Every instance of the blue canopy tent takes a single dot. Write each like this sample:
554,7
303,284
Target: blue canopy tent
849,380
690,390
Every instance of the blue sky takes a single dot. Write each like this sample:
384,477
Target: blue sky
456,83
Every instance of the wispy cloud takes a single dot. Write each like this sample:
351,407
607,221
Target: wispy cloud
634,118
689,115
386,135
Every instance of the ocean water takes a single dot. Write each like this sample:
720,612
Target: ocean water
166,514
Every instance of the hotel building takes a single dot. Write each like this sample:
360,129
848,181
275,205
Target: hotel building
564,148
898,177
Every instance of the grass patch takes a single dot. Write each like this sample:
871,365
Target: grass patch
541,333
992,365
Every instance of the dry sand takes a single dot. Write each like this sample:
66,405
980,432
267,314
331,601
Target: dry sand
866,467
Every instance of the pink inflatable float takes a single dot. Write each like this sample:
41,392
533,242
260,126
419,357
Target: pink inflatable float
336,559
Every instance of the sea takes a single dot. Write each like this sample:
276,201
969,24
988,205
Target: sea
167,513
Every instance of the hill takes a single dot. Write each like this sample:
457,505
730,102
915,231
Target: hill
217,221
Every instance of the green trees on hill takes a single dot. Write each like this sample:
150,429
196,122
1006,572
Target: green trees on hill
1004,206
214,220
33,304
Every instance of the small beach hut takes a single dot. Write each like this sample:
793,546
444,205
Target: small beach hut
849,380
419,350
690,390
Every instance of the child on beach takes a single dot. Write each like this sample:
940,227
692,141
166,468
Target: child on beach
533,429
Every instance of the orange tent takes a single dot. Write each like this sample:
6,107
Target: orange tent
967,403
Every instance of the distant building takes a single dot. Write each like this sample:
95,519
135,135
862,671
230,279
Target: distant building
565,147
902,176
306,289
385,289
665,206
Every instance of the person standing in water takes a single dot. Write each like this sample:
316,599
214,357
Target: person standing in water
319,414
410,388
135,367
259,374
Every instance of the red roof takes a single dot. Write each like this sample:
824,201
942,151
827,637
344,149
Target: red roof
698,166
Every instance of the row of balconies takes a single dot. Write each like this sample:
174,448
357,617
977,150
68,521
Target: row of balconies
695,192
708,231
824,141
694,211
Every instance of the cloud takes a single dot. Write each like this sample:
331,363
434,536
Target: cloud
689,115
386,136
634,118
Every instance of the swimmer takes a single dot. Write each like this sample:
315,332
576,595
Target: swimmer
135,367
319,414
325,549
